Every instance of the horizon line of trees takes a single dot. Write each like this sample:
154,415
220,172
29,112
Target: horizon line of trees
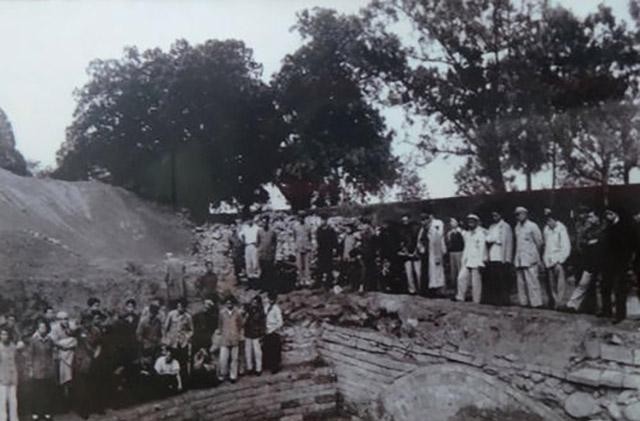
511,86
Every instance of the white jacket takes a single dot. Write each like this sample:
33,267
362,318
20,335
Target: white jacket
557,246
475,248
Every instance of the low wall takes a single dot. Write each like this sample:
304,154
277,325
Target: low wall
543,365
300,393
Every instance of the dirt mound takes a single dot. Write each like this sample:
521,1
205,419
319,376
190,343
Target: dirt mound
51,228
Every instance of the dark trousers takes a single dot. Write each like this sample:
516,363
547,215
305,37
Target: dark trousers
325,270
614,279
42,396
267,275
496,285
371,275
272,352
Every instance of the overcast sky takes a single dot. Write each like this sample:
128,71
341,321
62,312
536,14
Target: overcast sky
46,46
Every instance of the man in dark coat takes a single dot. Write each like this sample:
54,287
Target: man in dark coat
618,248
327,240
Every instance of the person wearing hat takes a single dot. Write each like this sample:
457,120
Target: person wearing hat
230,323
302,241
526,259
473,257
618,247
497,285
556,252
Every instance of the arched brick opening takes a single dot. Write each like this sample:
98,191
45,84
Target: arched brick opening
451,392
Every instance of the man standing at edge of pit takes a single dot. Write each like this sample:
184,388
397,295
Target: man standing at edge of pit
497,288
267,244
302,241
249,236
527,258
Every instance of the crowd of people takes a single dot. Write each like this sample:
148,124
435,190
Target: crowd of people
461,260
111,358
108,358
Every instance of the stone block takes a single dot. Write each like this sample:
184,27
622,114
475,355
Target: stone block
612,378
581,405
632,412
636,357
325,398
587,376
616,353
631,381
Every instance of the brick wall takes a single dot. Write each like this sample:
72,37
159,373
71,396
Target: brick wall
298,393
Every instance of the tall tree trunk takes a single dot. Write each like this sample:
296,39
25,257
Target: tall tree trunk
528,176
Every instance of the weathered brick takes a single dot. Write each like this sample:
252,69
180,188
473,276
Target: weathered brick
612,378
588,376
616,353
325,398
293,403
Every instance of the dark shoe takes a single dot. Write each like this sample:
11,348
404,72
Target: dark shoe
258,373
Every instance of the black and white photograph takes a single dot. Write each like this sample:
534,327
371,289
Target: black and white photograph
320,210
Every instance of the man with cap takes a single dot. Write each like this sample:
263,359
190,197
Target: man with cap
526,259
618,247
497,288
473,257
302,240
556,252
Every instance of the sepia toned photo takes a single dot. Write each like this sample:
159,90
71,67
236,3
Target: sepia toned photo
320,210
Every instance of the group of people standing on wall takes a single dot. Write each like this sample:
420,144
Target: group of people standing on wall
109,358
457,259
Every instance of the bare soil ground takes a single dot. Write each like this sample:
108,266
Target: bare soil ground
56,234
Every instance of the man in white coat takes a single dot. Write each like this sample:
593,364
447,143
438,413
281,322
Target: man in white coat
557,248
474,256
431,249
526,259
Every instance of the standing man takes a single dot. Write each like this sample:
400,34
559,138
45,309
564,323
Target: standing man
178,334
267,244
455,245
407,237
327,240
619,246
367,248
302,241
526,259
589,256
249,237
272,342
473,257
174,278
207,284
557,248
497,288
230,328
431,247
236,248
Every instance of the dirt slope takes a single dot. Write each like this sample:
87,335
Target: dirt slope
51,228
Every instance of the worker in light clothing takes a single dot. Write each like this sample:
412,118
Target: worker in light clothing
473,257
557,248
527,258
497,288
249,237
431,249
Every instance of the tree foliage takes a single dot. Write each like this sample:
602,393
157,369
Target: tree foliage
336,140
493,75
189,126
